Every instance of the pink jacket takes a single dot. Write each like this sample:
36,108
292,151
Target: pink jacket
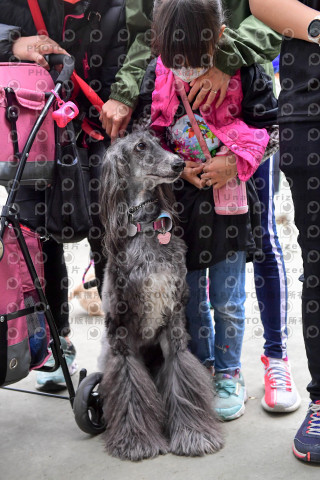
247,142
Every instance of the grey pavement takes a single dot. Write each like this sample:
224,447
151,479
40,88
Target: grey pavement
40,439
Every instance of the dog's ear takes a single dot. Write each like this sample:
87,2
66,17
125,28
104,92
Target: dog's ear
114,183
167,200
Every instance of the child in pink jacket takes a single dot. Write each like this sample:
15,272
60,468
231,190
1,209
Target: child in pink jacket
225,123
186,35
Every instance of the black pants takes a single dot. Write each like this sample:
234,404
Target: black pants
31,205
300,161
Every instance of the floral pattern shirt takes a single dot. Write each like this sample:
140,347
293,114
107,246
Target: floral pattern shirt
183,141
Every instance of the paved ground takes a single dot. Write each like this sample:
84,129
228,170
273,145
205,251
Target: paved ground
40,439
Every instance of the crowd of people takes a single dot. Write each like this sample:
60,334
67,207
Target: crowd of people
220,51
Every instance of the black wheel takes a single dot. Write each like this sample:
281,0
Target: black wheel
87,405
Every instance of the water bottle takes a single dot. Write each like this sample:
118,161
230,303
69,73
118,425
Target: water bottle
231,199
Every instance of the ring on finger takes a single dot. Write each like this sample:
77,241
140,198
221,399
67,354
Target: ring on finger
214,91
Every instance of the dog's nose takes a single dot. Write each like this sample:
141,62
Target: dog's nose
178,165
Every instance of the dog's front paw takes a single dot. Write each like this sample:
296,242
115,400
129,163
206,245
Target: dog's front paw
136,448
192,443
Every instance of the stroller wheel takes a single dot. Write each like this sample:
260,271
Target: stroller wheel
87,406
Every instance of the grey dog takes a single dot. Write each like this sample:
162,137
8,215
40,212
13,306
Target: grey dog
157,397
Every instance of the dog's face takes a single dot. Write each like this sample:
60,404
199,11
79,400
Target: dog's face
148,163
135,168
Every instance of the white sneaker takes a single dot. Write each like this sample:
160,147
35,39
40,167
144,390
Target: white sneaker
281,394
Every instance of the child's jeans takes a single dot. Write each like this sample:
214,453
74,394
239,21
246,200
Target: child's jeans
219,346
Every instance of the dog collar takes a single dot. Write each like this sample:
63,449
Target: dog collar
134,209
162,224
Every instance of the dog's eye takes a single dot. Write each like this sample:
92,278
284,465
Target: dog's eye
140,147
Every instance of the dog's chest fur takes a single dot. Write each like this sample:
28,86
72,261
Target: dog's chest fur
158,295
154,283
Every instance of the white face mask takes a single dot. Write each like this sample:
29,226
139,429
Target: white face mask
187,74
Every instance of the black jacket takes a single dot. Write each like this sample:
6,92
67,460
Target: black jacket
106,37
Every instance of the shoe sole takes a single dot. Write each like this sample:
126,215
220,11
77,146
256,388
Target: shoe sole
50,386
235,415
280,408
306,457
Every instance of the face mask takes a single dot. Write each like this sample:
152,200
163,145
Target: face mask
188,74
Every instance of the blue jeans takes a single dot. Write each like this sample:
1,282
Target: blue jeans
219,345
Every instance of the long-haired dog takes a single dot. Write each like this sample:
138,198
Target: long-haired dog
157,397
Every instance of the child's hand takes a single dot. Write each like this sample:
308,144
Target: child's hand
191,172
219,170
211,82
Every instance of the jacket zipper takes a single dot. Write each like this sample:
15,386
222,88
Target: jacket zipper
86,66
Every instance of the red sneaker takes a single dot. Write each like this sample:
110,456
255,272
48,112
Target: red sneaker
281,394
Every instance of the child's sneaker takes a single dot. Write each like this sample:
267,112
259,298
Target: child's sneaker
230,396
281,394
306,444
55,381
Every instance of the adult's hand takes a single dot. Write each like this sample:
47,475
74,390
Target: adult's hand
33,49
191,172
219,170
212,82
115,117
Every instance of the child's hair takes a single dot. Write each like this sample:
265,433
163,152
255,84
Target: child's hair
186,32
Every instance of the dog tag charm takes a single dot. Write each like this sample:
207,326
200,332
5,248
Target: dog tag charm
132,229
164,238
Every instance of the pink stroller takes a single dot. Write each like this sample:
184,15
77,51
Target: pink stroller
27,326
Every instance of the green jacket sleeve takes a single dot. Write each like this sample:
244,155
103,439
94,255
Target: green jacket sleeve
252,42
128,79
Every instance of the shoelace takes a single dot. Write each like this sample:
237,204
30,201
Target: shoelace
279,376
314,422
226,385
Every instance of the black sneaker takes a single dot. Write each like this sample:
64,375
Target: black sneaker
306,444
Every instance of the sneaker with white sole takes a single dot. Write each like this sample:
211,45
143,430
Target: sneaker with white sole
55,381
231,395
306,444
281,394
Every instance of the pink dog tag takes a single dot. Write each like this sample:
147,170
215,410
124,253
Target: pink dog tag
164,238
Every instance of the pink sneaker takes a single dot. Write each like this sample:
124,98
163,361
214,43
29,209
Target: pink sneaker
281,394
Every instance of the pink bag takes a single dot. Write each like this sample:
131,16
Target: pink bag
24,339
22,98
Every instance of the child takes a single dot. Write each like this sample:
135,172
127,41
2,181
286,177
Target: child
186,36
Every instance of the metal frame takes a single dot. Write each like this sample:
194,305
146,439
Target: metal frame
10,216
